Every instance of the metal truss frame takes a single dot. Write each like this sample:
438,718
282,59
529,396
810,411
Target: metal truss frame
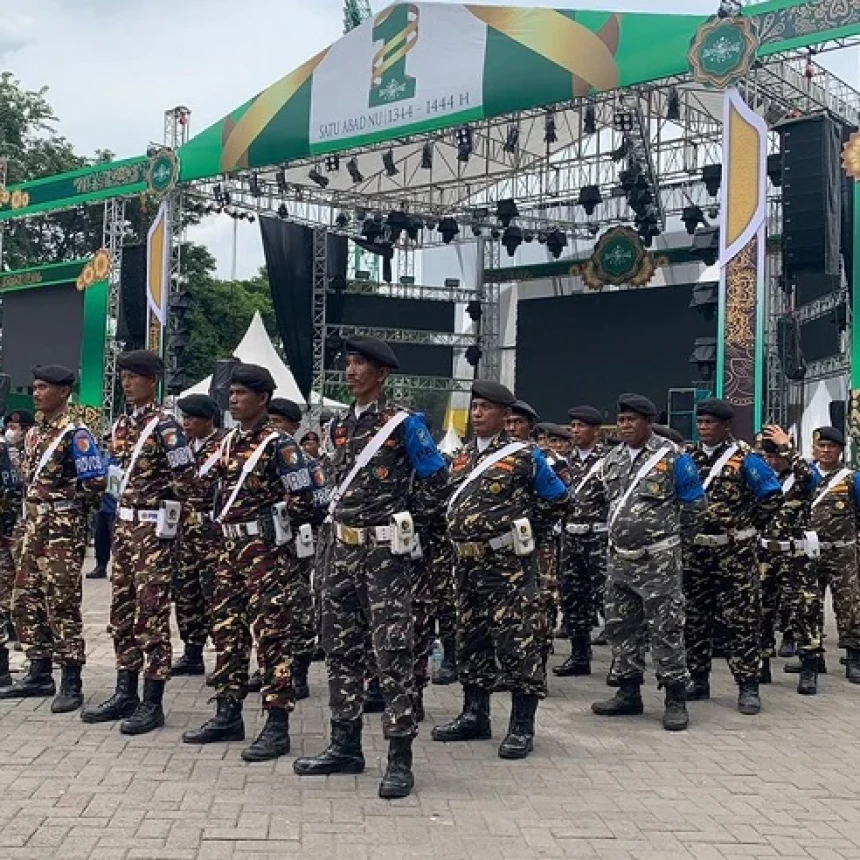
113,232
320,330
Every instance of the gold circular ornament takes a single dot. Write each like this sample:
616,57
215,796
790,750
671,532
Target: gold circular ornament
495,488
840,506
851,156
4,195
16,199
101,264
88,276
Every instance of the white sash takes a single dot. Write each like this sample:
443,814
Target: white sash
49,452
510,448
650,463
592,472
207,466
147,432
250,465
718,466
837,479
787,484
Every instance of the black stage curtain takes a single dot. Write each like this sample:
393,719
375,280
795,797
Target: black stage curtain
131,324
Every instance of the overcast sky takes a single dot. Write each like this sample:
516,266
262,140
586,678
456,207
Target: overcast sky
114,66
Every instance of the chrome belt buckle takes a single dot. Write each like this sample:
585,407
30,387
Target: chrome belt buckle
349,535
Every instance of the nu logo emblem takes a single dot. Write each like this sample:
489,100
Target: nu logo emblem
397,29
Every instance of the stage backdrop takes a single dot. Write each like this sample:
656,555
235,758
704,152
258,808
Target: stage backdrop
588,348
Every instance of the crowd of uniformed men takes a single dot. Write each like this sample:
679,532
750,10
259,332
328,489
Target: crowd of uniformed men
367,543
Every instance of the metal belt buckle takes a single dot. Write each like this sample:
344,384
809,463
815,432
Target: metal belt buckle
630,554
349,535
470,550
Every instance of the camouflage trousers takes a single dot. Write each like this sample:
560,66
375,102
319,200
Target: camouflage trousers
445,592
722,583
499,622
140,599
251,604
645,602
197,557
367,607
46,602
583,582
300,596
548,561
837,568
789,588
7,582
423,609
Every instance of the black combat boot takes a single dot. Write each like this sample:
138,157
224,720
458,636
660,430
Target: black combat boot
787,649
123,703
149,715
301,664
473,723
627,702
852,666
699,687
520,739
807,682
98,572
675,716
749,702
612,679
374,701
794,668
579,662
342,755
273,741
764,673
447,673
418,705
71,695
5,676
398,780
38,682
255,682
226,725
191,661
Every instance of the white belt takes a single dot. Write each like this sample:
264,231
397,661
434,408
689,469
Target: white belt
358,537
586,528
724,540
636,554
797,547
839,544
129,515
239,530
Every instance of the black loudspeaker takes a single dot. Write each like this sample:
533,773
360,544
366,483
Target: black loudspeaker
219,388
5,391
131,322
838,413
812,195
790,347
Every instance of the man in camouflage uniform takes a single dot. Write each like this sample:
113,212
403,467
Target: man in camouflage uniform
199,541
10,505
63,478
259,468
505,502
367,585
788,575
835,516
721,561
650,485
155,470
583,572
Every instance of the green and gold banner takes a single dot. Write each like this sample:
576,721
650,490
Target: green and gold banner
42,276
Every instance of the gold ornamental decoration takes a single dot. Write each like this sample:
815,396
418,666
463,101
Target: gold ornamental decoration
851,156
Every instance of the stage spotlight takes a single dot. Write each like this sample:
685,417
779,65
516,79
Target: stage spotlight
427,155
712,176
396,224
251,218
590,122
476,230
692,216
332,163
706,245
218,191
377,216
388,164
541,237
506,211
465,143
474,310
528,236
283,212
512,238
449,228
342,219
281,181
495,234
729,9
556,242
549,128
593,229
317,177
360,213
371,230
413,228
512,140
623,121
254,185
473,354
622,151
354,172
774,169
590,198
430,223
673,107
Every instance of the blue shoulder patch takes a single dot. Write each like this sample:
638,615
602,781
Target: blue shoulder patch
547,485
89,463
421,449
688,484
763,481
292,465
176,447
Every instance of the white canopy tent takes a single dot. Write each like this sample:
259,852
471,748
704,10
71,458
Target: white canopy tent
256,348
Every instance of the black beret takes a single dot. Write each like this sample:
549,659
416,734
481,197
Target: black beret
142,362
638,404
253,377
493,392
829,434
22,417
286,409
198,406
586,414
769,446
520,407
373,349
54,374
719,409
557,430
669,433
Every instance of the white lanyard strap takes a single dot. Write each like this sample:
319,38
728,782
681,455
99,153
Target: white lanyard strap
208,465
837,479
250,465
510,448
787,484
718,466
591,473
49,452
135,454
367,455
650,463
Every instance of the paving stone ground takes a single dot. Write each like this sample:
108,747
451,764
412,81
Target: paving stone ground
783,784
